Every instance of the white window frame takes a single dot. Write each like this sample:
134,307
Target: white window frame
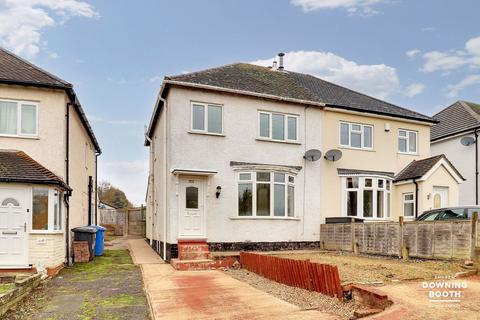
51,212
407,141
205,106
404,202
285,126
361,132
253,181
19,119
374,188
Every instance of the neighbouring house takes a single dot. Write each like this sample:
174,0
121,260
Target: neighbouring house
229,160
456,136
48,163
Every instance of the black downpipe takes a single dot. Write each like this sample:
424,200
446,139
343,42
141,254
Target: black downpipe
67,180
416,198
96,187
90,191
476,167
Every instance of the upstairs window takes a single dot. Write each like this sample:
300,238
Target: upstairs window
18,118
278,126
207,118
355,135
407,141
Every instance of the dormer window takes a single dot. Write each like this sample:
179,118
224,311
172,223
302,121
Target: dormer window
18,118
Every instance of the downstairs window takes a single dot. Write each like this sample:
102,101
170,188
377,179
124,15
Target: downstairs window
266,194
367,197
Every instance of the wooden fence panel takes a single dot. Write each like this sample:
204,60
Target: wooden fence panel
461,239
296,273
423,239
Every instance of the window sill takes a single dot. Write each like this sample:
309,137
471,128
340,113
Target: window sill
408,153
278,141
19,137
206,133
47,232
357,149
265,218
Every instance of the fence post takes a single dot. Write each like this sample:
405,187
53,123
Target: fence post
403,250
354,240
473,235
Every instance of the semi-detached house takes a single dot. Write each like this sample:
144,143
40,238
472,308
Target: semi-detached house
48,161
228,166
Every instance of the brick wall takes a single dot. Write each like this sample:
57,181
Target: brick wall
46,250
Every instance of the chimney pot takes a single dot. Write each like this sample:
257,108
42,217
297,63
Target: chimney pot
280,61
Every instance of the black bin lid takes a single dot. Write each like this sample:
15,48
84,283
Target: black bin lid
85,229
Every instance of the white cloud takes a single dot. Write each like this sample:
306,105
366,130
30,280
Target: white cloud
155,78
378,80
412,53
22,21
414,89
428,29
454,89
129,176
353,7
453,59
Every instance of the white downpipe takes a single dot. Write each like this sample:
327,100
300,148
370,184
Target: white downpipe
152,166
165,207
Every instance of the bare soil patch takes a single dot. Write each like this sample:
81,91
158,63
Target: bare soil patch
303,298
365,269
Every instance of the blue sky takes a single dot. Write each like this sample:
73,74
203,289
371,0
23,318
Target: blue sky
419,54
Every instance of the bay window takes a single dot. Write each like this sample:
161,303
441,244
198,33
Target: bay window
277,126
367,197
407,141
18,118
266,194
355,135
47,209
207,118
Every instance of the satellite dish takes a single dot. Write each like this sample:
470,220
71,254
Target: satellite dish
333,155
312,155
467,141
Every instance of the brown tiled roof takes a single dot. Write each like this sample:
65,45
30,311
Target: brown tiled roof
461,116
17,71
293,85
17,166
418,168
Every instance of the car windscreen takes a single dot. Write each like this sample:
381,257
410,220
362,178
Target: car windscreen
449,214
429,216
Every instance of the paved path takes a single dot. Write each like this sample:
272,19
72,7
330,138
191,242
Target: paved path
411,301
207,294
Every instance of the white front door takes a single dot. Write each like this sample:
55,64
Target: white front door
14,208
192,220
440,197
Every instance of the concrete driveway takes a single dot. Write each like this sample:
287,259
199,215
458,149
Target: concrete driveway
207,294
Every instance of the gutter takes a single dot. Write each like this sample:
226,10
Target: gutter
164,101
476,166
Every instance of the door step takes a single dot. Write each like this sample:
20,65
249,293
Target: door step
203,264
195,255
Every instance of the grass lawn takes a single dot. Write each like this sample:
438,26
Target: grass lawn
6,287
109,287
367,269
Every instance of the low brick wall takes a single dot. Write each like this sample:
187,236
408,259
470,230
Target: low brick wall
23,286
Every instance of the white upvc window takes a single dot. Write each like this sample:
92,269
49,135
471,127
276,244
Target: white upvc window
356,135
277,126
47,210
408,200
18,118
367,197
407,141
266,194
206,118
